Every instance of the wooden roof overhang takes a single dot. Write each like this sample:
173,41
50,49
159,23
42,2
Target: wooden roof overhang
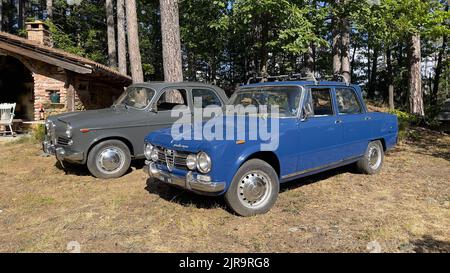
33,50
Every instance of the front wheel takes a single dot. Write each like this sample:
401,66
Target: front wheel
373,159
254,189
109,159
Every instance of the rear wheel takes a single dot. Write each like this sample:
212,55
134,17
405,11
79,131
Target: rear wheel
254,189
109,159
373,159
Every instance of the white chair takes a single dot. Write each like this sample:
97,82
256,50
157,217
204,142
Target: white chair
7,116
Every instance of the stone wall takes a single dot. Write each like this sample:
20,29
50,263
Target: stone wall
89,93
46,80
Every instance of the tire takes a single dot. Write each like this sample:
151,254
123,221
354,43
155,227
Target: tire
239,197
109,159
373,159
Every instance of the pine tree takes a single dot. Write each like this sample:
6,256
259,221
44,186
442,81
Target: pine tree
133,42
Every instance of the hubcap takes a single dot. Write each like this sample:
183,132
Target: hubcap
374,157
254,189
110,160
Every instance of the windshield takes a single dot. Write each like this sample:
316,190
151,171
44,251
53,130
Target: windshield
287,98
137,97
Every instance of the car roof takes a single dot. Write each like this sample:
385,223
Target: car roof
302,83
161,85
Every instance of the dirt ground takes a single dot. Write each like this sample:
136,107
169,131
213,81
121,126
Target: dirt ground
404,209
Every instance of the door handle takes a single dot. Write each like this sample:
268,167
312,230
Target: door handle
338,121
368,118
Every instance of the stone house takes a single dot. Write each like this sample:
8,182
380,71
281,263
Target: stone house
43,80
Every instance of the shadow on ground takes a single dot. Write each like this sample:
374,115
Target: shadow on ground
82,170
427,244
186,198
182,197
424,139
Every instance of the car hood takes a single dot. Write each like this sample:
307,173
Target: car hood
97,118
186,141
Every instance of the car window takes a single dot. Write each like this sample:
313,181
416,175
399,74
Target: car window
207,98
446,107
172,98
318,102
347,102
137,97
286,98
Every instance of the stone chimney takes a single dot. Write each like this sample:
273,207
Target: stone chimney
38,31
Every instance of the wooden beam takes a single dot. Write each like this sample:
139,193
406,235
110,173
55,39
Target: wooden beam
70,95
45,58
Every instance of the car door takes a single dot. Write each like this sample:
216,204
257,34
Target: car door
320,134
354,121
159,114
204,97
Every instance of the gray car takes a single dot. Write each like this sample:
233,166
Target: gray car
106,140
444,116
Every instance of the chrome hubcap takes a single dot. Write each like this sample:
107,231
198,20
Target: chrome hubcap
110,160
374,157
254,189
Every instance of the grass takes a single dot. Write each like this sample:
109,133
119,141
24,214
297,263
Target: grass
406,208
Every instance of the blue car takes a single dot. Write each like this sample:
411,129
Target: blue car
318,126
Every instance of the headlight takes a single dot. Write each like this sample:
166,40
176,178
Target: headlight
191,162
203,162
48,127
69,131
154,155
148,150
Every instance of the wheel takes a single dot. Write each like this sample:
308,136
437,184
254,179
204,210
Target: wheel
254,189
109,159
373,159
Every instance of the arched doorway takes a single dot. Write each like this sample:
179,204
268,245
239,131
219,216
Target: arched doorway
17,86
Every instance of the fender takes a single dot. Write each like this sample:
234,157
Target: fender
106,136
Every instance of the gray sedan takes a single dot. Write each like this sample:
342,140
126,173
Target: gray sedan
106,140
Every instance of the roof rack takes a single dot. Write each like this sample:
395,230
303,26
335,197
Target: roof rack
342,78
279,78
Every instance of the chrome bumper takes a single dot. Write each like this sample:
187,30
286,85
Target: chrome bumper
62,154
189,182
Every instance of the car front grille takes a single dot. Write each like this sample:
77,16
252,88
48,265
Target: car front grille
172,159
63,141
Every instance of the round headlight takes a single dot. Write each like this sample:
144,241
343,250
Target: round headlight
148,150
203,162
69,131
191,162
154,155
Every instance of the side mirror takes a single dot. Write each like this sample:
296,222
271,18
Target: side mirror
153,109
306,114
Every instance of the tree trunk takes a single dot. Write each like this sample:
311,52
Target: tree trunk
1,15
20,12
345,54
439,67
111,33
373,75
263,52
310,60
415,81
352,63
390,83
336,47
133,42
170,30
121,37
50,9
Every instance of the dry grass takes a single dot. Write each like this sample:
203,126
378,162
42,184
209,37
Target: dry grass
404,209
